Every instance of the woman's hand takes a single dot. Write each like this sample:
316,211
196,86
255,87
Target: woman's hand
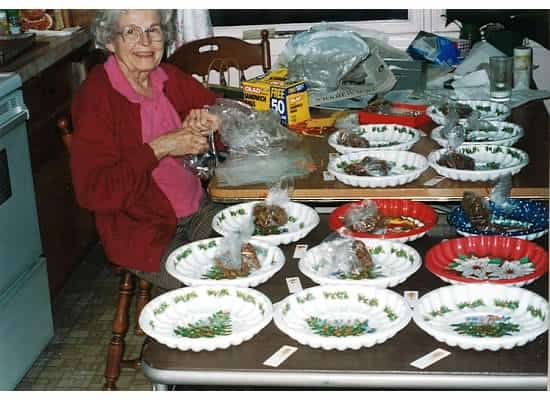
201,122
179,143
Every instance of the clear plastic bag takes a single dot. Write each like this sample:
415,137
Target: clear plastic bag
364,217
203,165
260,149
348,259
337,63
500,194
270,215
323,55
247,131
236,256
455,137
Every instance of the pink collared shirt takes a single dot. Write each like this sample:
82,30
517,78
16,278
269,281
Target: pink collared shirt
182,188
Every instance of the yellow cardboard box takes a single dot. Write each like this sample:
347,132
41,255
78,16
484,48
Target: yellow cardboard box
273,91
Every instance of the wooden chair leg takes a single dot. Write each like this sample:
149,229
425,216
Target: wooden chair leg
120,327
143,297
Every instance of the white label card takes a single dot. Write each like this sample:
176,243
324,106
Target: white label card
430,358
332,156
294,284
411,297
279,356
434,181
300,250
327,176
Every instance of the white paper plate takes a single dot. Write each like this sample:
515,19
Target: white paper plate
488,110
482,316
506,134
193,264
406,167
302,220
508,160
381,137
394,263
206,317
314,316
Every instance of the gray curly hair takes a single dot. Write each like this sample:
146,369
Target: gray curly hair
105,25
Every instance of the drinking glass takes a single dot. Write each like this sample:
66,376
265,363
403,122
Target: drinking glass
500,77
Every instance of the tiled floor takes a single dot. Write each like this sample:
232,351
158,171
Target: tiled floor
83,313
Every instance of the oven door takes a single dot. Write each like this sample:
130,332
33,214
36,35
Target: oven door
20,245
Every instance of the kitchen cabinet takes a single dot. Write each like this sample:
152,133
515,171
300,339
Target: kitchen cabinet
67,230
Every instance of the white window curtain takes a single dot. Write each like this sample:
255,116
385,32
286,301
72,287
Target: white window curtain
191,24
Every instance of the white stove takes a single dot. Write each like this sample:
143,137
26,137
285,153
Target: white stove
25,313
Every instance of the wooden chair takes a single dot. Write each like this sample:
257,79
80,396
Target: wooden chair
220,53
115,354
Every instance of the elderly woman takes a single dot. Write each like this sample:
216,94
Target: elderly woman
133,119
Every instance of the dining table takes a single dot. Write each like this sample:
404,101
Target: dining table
383,366
532,182
386,365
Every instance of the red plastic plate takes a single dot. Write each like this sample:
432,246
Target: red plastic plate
440,256
389,208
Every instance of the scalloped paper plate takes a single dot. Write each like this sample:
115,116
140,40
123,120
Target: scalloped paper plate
393,264
422,213
491,259
406,166
506,134
488,110
482,316
531,216
206,317
193,264
493,162
302,220
341,317
381,137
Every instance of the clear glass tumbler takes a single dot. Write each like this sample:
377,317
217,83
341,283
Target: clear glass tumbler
500,77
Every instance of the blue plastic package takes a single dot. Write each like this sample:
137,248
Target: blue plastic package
436,49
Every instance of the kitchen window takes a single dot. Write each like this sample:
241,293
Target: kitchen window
401,25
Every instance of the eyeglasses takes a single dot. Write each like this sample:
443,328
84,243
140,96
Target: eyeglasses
133,33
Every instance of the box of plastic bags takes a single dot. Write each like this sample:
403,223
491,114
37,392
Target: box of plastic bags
272,91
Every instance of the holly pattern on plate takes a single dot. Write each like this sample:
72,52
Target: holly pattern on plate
489,325
339,328
218,324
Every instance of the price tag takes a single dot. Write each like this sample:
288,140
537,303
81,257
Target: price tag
434,181
430,358
327,176
332,156
300,250
411,297
294,284
279,356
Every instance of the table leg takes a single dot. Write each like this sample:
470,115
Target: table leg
160,387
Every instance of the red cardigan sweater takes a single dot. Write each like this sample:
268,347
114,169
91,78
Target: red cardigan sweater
111,167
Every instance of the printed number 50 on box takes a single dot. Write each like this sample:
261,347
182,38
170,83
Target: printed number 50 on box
272,91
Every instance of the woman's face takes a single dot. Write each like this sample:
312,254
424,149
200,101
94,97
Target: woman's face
138,54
